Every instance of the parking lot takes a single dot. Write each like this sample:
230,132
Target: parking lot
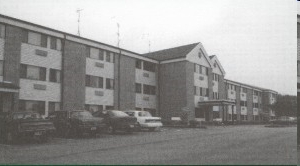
215,145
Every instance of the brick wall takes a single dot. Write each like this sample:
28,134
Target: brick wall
250,104
73,82
173,91
190,89
238,104
12,56
127,83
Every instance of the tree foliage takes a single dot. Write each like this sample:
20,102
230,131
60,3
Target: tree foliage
285,105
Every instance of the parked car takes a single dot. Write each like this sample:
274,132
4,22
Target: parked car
76,123
17,125
117,120
145,119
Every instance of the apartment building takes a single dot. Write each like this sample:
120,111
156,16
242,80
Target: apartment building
46,70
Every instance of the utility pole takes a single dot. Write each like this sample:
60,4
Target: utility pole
78,11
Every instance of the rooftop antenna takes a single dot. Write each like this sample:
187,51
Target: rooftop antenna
78,11
149,43
118,34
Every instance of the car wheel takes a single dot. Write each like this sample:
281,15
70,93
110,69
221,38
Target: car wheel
110,130
151,129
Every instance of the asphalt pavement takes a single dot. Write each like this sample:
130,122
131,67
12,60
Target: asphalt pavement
215,145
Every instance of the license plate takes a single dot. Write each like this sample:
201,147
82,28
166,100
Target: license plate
38,133
93,128
131,126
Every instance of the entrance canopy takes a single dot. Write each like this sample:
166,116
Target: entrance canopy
8,87
216,102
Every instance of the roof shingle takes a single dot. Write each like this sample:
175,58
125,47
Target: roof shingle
171,53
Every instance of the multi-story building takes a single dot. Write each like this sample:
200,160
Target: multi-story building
45,70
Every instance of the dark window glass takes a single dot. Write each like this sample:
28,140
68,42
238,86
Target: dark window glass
2,31
138,64
148,66
23,71
53,43
42,74
148,89
24,36
54,76
87,80
101,55
44,41
109,83
100,82
138,88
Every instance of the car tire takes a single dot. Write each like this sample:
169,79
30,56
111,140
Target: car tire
151,129
110,130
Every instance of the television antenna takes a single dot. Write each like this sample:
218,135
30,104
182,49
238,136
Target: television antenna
78,11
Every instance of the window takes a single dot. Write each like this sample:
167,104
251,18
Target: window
110,57
138,64
150,90
55,43
138,109
24,36
216,77
244,90
53,106
215,95
109,83
93,81
196,91
96,54
138,88
36,39
148,66
196,68
54,75
1,68
204,92
93,108
2,31
109,107
204,70
255,105
255,93
33,72
243,103
36,106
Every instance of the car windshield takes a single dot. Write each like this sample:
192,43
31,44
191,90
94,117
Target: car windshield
118,113
144,114
130,113
27,115
82,114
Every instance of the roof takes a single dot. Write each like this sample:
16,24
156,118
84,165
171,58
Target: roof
8,85
171,53
254,87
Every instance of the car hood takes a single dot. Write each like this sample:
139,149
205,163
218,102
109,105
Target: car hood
91,119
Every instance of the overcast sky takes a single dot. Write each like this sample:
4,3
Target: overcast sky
255,40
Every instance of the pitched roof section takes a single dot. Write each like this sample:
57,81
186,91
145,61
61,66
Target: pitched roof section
171,53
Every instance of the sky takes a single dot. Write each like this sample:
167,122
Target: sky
255,40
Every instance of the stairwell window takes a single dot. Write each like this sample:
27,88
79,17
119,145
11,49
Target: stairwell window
93,81
148,66
110,57
149,90
138,64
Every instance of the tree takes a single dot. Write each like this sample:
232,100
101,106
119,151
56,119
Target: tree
285,105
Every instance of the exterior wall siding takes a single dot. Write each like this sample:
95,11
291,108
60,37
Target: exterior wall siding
74,66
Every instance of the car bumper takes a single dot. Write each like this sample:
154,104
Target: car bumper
148,125
88,129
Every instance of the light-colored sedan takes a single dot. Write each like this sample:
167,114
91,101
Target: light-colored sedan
145,119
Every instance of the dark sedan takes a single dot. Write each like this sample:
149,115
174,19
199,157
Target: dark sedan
76,123
117,120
